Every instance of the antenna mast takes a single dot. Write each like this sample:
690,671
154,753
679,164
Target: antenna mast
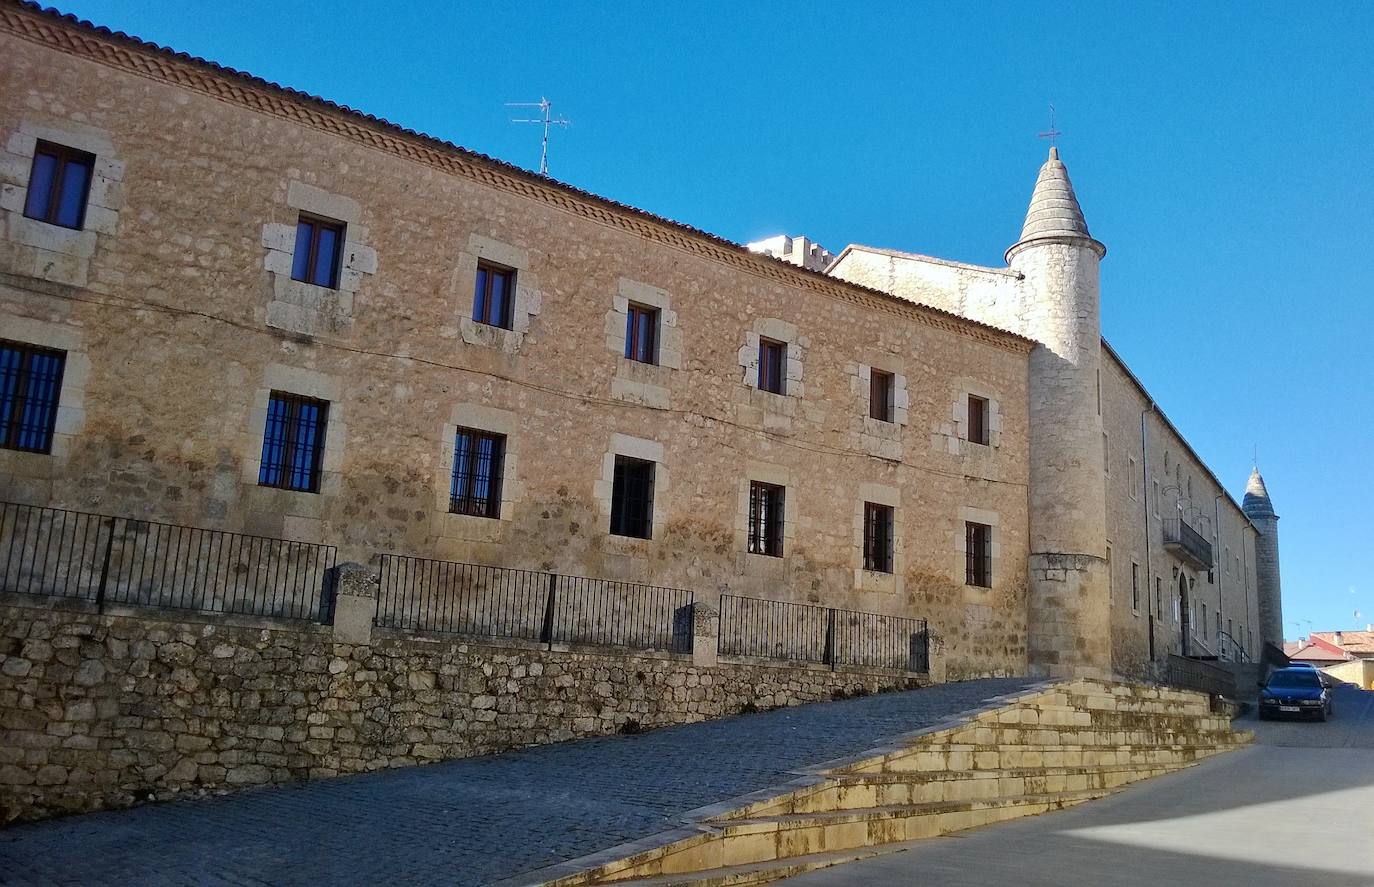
1051,133
545,119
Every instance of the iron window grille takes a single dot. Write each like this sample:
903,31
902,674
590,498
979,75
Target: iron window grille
772,363
59,185
977,419
30,386
766,510
293,442
478,461
978,554
632,498
1135,587
319,245
493,295
878,526
641,334
880,387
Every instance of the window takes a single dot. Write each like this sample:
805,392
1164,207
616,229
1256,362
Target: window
878,523
493,295
1135,479
1203,622
30,382
880,388
772,364
1106,455
1218,622
1110,584
641,334
632,498
978,554
1177,604
478,460
59,184
1159,599
1154,496
293,442
1229,623
765,518
977,419
1135,587
319,243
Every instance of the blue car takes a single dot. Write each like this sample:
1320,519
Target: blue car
1295,692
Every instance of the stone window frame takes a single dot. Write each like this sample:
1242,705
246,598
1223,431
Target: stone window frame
777,330
645,384
954,431
71,397
974,594
479,417
307,308
882,440
763,564
526,302
56,253
302,506
867,580
603,488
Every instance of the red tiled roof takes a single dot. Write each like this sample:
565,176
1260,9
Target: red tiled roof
1351,641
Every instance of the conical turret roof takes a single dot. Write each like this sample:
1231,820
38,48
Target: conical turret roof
1054,211
1256,503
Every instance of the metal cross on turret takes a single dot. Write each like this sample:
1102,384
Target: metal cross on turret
1050,133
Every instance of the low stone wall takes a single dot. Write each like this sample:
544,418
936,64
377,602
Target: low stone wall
109,710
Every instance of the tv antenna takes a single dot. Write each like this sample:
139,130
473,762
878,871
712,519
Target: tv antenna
546,119
1050,133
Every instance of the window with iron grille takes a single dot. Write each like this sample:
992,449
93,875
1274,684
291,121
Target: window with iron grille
766,509
59,184
30,384
978,554
493,295
772,365
880,387
293,442
878,530
1159,599
641,334
632,498
1135,587
478,461
319,244
977,419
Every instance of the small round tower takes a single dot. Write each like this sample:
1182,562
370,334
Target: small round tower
1068,595
1258,507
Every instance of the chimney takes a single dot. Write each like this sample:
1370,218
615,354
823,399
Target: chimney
1339,639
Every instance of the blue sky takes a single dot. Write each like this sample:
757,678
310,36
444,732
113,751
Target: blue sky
1223,152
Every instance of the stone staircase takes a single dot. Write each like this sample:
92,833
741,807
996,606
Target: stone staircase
1045,750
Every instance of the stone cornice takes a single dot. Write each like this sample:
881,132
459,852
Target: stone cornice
67,34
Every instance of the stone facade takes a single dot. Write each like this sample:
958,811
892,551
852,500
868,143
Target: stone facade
99,711
186,320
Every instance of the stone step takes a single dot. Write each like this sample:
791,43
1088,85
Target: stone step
1067,716
1004,734
754,873
1010,757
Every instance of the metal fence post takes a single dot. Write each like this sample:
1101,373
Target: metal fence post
546,633
105,569
830,637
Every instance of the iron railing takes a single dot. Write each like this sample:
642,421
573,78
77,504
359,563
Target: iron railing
804,632
107,559
1196,674
1180,537
423,595
1229,649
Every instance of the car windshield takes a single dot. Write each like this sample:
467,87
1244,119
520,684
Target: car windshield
1298,679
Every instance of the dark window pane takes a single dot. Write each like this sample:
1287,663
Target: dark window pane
40,185
766,507
496,307
878,534
72,197
641,331
880,396
30,386
475,487
771,364
326,255
293,442
300,260
632,498
479,296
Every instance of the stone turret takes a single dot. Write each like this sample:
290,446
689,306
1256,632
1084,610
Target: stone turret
1258,507
1068,599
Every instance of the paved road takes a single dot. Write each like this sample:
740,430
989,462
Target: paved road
473,821
1297,807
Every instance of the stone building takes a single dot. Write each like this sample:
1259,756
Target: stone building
233,305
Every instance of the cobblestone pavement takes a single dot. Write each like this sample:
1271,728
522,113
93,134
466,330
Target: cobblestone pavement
1297,807
472,821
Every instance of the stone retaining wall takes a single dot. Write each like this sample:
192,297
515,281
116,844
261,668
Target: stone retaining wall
109,710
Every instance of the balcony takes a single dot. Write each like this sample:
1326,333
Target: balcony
1188,544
